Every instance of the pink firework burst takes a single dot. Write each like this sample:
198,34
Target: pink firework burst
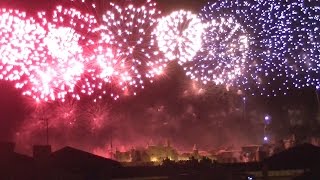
127,54
97,115
60,54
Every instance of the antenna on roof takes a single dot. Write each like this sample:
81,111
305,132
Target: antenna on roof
111,146
46,121
47,133
47,128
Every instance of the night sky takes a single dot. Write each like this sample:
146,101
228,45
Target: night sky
172,108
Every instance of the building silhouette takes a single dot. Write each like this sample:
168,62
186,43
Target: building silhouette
299,162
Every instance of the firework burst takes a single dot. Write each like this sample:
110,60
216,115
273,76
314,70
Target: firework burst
301,47
127,53
97,114
58,61
222,58
288,40
101,74
179,35
282,44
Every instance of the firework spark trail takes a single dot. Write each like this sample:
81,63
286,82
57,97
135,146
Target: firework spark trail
179,35
223,54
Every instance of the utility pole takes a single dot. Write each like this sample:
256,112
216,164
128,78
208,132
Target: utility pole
46,121
47,126
317,95
111,145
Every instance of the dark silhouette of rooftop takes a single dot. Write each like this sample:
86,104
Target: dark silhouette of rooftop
302,156
70,157
66,163
14,165
69,161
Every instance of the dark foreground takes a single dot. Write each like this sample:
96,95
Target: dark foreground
300,162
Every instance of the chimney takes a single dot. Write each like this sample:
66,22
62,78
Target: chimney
41,152
6,148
